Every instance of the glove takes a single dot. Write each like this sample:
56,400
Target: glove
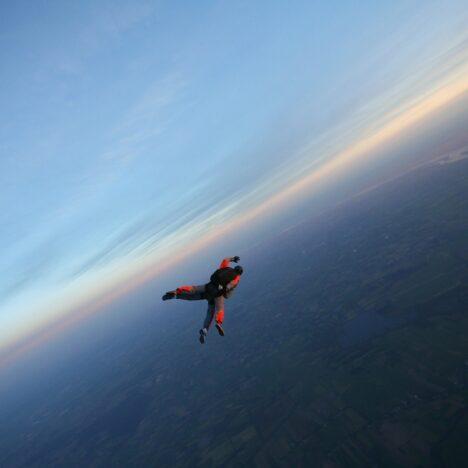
235,259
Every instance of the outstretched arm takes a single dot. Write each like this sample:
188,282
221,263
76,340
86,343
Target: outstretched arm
226,261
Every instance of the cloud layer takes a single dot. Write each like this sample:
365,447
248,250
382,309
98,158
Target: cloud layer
145,130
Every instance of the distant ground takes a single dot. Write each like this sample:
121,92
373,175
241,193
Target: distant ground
346,346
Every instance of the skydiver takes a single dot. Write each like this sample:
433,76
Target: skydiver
221,286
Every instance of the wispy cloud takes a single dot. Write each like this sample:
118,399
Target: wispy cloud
134,183
105,25
146,119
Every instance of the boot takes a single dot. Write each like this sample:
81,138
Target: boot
203,332
220,329
168,295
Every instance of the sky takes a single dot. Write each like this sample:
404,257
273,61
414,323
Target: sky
133,134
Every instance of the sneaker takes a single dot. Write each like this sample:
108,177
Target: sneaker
168,295
203,332
220,329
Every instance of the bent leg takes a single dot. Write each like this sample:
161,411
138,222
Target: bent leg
209,315
190,293
219,310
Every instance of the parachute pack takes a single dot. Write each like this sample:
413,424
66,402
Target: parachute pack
223,276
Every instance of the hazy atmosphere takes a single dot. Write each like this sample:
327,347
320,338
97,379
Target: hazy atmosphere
143,141
131,130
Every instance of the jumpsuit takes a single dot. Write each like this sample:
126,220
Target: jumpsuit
208,292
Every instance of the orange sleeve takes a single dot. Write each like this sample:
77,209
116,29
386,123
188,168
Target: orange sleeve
225,263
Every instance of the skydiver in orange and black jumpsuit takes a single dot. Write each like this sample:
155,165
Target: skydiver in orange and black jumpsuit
221,286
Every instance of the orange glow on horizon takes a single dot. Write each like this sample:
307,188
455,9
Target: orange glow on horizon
355,153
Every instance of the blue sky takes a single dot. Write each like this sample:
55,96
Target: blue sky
132,129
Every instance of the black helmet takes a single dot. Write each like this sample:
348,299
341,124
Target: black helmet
239,269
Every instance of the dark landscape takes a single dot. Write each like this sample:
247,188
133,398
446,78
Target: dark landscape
345,346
